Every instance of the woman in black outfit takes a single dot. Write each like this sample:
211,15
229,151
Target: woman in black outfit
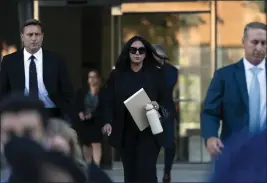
89,131
135,68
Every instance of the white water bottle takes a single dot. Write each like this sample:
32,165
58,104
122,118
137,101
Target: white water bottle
153,117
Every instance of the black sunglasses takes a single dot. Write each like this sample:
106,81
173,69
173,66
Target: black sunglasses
141,50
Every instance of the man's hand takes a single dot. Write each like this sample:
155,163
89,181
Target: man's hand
214,146
107,129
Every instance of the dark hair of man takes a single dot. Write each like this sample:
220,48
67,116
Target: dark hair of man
18,103
254,25
31,22
159,47
123,62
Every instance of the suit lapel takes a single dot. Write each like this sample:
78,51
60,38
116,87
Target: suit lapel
241,81
20,71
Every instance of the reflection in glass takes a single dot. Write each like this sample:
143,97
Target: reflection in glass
235,15
7,49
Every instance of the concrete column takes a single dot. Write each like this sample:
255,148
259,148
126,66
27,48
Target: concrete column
25,11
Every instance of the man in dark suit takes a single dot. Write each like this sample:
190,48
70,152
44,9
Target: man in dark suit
237,93
171,78
38,73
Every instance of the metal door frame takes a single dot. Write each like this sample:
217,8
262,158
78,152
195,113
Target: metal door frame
118,11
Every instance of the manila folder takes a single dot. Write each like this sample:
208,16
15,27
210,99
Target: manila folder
136,106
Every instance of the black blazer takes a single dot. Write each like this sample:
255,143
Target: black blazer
55,77
113,107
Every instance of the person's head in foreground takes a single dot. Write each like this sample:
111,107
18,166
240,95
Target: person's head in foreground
244,160
20,114
61,137
31,163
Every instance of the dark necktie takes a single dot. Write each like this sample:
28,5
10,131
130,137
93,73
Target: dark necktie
33,83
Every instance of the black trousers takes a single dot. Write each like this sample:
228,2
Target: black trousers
169,154
139,158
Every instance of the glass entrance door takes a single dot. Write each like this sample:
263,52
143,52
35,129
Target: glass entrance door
187,39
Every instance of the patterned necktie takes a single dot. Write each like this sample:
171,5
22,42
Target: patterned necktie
254,102
33,83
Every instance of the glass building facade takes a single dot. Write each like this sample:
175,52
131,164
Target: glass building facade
199,36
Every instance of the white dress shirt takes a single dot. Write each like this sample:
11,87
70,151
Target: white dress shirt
43,94
262,81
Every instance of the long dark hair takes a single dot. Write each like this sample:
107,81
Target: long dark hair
123,62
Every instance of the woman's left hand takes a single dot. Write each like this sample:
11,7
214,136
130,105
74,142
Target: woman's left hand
155,105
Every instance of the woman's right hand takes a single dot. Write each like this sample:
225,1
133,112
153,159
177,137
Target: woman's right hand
81,115
107,129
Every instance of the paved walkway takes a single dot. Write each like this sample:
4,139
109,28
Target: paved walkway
180,173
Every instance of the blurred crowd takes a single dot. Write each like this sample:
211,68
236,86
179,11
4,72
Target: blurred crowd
38,149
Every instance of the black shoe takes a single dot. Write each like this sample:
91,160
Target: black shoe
166,178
